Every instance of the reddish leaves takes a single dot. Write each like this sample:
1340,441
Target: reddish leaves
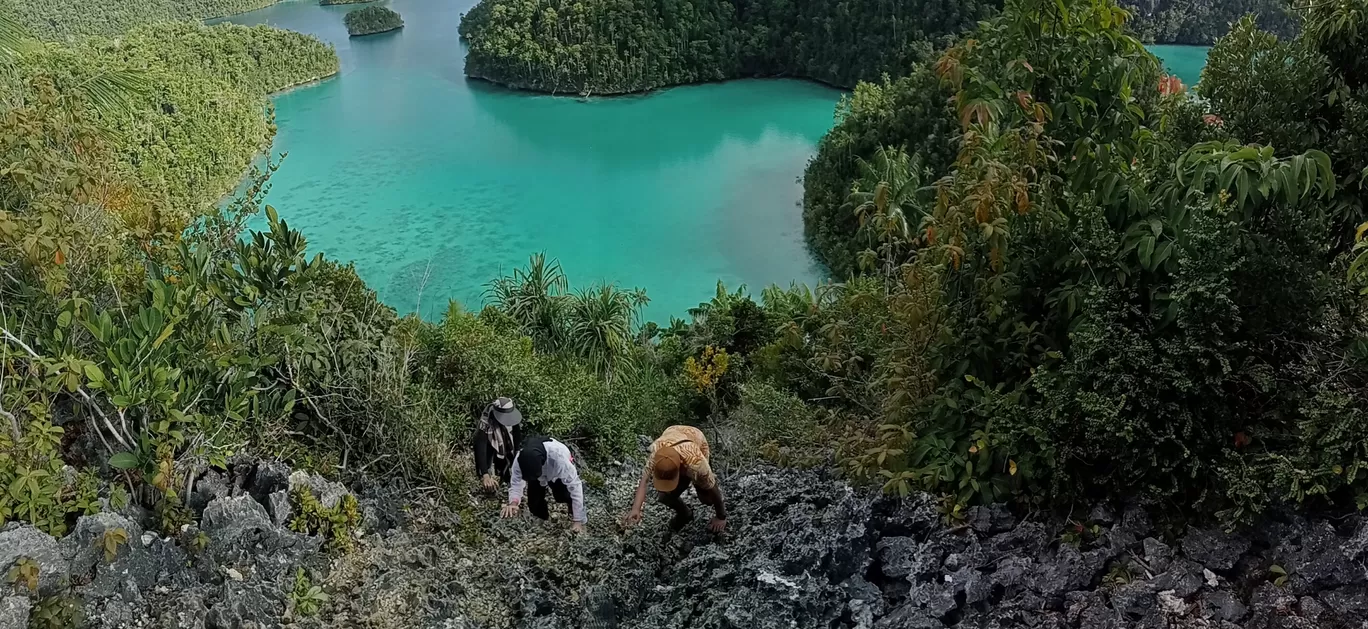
1170,85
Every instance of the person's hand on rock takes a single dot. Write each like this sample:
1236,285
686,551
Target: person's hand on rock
717,525
633,517
490,482
577,527
509,511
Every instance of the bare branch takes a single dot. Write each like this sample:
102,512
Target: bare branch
79,389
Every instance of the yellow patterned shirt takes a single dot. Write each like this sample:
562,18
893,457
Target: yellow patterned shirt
692,447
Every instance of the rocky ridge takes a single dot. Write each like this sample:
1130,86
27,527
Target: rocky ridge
804,550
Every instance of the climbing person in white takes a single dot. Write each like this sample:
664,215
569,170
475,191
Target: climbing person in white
549,464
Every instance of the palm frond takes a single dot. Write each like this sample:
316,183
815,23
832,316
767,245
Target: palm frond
115,92
12,37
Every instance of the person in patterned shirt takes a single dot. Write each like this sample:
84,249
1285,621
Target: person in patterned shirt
678,459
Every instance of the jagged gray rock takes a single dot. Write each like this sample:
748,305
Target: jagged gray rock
84,548
803,550
14,611
328,493
278,506
20,541
210,486
1216,550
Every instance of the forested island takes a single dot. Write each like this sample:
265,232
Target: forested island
372,20
623,46
1095,355
69,20
1202,22
331,2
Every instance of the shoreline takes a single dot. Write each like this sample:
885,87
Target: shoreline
388,30
649,91
570,93
265,151
269,3
306,83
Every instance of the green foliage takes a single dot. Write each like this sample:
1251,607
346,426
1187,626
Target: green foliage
913,114
1118,574
195,129
57,612
34,483
306,598
1308,93
1080,534
596,326
1202,22
118,497
617,46
479,357
198,543
337,524
332,2
778,426
1278,575
25,573
1108,294
111,542
371,20
68,20
1097,352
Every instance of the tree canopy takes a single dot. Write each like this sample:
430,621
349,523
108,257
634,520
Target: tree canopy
69,20
1112,287
371,20
616,46
1202,22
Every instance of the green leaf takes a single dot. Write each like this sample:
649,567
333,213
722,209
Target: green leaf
93,373
123,461
1161,254
166,332
1146,251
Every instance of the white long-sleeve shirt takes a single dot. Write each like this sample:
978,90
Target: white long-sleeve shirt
560,466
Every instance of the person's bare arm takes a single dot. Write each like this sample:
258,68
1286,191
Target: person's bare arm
639,501
710,493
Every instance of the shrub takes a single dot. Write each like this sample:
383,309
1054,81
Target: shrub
481,357
337,524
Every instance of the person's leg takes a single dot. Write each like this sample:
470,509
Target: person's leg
675,500
713,498
536,500
561,493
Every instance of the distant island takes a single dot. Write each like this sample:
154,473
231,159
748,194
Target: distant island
372,20
330,2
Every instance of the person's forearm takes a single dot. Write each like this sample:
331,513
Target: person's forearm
577,503
719,508
640,499
484,461
515,484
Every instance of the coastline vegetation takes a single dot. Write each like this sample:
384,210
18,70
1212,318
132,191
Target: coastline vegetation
71,20
619,46
1064,278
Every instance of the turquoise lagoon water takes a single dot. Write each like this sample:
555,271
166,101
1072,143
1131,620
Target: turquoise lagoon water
433,185
1184,62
